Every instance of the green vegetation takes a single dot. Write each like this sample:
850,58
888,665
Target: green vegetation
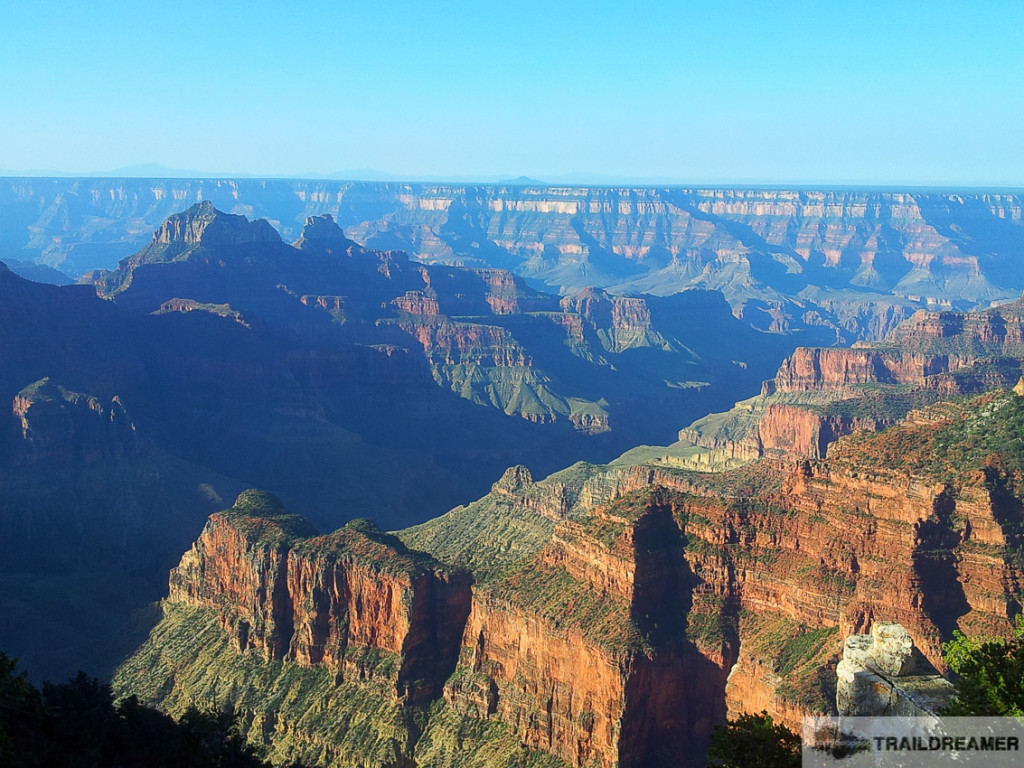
804,658
758,478
803,647
293,712
451,739
569,604
362,542
312,715
497,534
754,741
709,630
880,402
954,442
657,454
188,305
78,724
990,674
265,520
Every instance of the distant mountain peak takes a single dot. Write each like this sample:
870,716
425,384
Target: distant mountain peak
202,224
521,181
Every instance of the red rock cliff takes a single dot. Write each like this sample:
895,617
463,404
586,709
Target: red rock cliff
326,600
582,652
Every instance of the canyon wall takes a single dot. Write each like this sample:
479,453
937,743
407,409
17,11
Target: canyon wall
820,394
854,261
615,615
284,592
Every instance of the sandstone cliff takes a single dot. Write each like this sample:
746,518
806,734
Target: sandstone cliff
286,593
617,614
373,621
820,394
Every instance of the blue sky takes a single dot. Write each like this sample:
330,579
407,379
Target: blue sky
776,91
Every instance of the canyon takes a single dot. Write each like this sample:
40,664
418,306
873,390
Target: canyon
605,601
847,265
345,380
603,616
610,614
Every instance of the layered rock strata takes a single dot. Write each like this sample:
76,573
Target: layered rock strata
281,591
617,614
854,261
581,651
820,394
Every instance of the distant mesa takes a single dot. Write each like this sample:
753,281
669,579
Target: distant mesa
204,224
523,181
322,233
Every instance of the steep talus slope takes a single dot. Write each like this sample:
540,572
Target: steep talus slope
614,615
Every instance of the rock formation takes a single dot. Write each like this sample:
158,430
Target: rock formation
850,263
879,676
820,394
286,593
617,614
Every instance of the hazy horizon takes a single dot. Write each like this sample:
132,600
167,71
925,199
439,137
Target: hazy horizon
583,179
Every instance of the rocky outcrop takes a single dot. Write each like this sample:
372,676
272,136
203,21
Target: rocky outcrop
878,676
199,234
621,322
999,330
336,601
820,394
507,293
810,369
322,235
57,424
580,655
569,652
448,343
931,545
417,303
922,348
794,431
188,305
202,224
